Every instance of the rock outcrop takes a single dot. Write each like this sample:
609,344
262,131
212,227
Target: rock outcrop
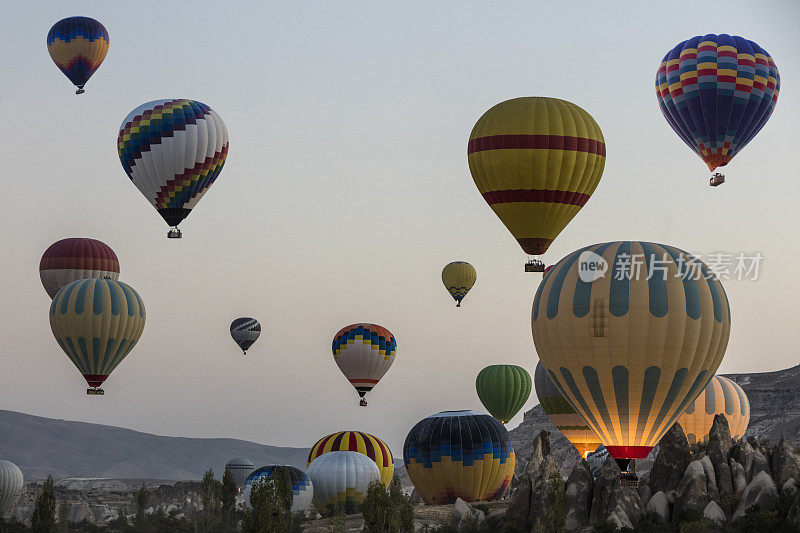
578,497
760,491
783,463
530,501
718,449
671,462
692,490
659,504
714,512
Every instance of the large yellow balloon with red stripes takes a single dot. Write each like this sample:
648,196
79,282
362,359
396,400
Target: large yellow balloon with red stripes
536,161
357,441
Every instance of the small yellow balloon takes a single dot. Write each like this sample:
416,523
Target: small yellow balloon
458,278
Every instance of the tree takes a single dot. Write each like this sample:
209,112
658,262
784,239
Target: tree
210,501
63,515
271,505
227,499
44,513
556,513
141,505
387,512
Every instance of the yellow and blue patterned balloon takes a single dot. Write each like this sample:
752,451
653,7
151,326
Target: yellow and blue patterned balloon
97,322
459,454
458,278
630,333
78,46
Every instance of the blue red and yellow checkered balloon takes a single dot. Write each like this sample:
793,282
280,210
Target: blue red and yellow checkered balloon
717,92
78,46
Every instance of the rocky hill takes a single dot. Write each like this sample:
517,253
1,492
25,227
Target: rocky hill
774,412
774,404
42,446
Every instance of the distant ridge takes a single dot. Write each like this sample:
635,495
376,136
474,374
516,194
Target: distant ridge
42,446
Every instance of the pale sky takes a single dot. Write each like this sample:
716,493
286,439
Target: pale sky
345,192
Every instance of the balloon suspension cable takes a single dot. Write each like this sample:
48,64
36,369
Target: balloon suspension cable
363,402
174,233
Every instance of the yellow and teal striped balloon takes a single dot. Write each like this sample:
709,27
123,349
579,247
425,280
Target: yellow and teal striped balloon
630,333
503,390
721,396
458,278
97,322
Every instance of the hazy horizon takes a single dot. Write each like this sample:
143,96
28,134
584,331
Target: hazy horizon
345,192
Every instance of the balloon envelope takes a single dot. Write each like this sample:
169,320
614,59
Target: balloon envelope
11,485
302,487
364,353
717,92
97,322
76,258
503,390
721,396
458,278
342,479
459,454
78,46
173,151
240,468
536,161
562,415
357,441
630,333
245,332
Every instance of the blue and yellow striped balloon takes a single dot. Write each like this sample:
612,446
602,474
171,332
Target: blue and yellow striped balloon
78,46
630,333
97,322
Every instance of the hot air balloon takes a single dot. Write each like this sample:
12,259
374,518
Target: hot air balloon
240,468
78,46
97,322
503,390
245,331
720,396
68,260
458,278
11,485
302,487
630,333
536,161
357,441
717,92
173,151
459,454
364,352
342,479
562,415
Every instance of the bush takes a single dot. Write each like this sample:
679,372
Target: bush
556,513
271,505
702,525
387,512
651,522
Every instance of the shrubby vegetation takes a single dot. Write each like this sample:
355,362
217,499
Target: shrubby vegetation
387,511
